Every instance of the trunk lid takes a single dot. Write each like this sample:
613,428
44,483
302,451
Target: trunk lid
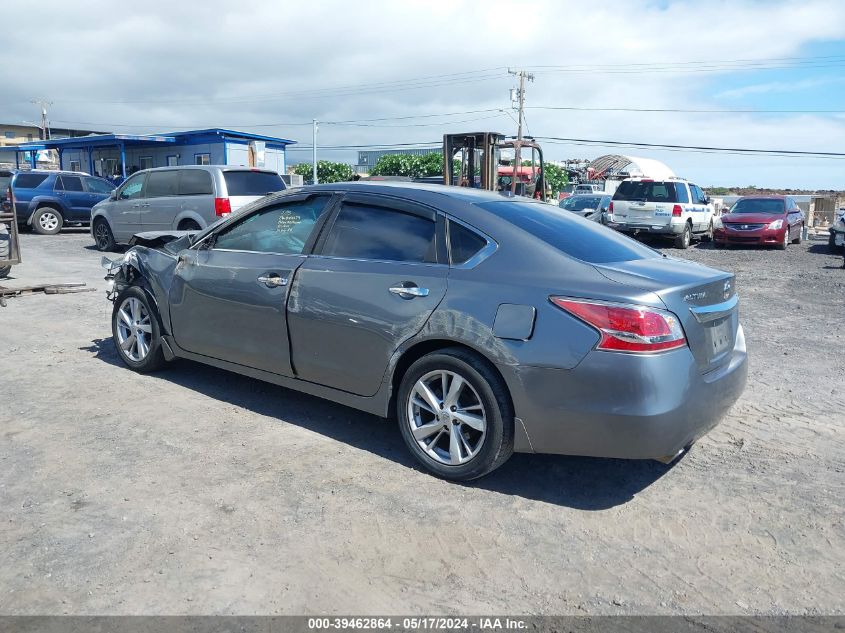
703,298
643,212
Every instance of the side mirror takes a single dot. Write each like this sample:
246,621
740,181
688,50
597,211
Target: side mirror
113,195
706,199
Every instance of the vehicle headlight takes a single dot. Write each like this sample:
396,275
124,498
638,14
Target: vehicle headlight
777,224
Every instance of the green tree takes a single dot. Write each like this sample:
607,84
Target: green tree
556,178
408,165
327,171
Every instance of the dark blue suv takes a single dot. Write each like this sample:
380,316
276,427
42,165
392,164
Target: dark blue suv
47,200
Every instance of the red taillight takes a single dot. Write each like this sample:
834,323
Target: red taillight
222,206
610,207
677,211
627,328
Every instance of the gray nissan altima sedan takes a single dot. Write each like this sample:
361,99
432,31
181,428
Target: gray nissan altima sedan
485,325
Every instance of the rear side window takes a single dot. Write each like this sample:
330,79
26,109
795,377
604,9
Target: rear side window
195,182
162,183
582,239
365,232
463,243
281,228
252,183
681,191
29,181
647,191
68,183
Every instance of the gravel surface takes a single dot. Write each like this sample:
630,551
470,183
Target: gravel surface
199,491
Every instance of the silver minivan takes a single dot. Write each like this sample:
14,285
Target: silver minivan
188,198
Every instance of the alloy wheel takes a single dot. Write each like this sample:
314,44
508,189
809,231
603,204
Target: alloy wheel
446,417
48,221
101,235
134,329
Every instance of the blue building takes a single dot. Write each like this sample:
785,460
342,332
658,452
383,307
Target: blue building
110,154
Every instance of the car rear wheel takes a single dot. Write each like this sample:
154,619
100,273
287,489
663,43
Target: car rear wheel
188,225
684,239
136,331
455,415
47,221
797,240
103,237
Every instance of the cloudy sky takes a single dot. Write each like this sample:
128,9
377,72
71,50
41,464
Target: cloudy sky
393,72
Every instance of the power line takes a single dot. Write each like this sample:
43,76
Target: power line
685,110
694,148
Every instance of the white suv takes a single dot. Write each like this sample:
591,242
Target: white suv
672,207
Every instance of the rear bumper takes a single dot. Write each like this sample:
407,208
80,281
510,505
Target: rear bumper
758,236
653,229
624,405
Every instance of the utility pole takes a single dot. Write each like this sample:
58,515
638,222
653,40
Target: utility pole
314,150
521,97
45,126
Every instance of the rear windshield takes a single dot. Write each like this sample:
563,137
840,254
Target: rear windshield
579,203
588,241
252,183
647,191
29,181
759,206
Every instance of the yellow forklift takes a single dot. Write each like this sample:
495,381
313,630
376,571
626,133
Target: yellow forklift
493,162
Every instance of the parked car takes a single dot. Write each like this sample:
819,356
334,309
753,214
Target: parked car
487,325
775,220
588,206
673,208
47,200
186,198
587,188
836,242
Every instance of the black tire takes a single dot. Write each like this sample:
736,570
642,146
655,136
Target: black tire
684,239
47,221
189,225
785,241
103,237
797,240
5,249
708,236
497,442
154,359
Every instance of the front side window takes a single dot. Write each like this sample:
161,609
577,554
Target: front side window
162,183
202,159
132,188
369,232
282,228
95,185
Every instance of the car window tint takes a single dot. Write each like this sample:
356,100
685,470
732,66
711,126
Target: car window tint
758,205
29,181
584,240
162,183
281,228
646,190
95,185
132,188
252,183
365,232
463,243
70,183
681,192
195,182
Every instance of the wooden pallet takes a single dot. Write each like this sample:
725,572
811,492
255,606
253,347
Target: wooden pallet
47,289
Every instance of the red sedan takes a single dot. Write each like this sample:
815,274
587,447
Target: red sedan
774,220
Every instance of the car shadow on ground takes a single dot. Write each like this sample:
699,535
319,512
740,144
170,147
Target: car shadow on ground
823,248
581,483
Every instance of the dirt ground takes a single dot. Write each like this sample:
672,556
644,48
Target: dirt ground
198,491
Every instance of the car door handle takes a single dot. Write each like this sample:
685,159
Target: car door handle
273,281
409,292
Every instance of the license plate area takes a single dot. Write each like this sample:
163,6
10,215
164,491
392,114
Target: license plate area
719,337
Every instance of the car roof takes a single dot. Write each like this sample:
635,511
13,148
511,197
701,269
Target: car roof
207,168
414,190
